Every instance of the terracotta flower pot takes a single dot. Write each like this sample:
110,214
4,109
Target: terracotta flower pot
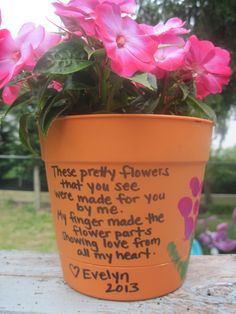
125,193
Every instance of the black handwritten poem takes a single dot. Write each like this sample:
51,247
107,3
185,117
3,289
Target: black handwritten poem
111,216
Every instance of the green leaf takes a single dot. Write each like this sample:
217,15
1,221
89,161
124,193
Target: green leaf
51,111
150,105
146,79
141,105
185,91
98,53
65,58
24,131
73,84
172,250
52,114
201,107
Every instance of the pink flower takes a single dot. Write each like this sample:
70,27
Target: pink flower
56,85
126,6
170,54
49,40
79,14
13,57
76,8
129,50
39,40
81,8
171,49
209,66
30,36
21,54
10,93
173,26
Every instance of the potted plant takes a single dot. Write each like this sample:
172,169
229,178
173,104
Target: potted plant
125,138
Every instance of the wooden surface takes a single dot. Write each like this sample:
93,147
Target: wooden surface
32,283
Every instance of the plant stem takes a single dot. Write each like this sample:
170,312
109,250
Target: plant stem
163,95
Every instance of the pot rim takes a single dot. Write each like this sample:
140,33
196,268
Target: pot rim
136,115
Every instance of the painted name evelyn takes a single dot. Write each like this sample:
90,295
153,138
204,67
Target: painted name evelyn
89,274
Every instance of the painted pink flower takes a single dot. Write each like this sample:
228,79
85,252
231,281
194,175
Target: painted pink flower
79,14
189,207
195,186
129,50
209,66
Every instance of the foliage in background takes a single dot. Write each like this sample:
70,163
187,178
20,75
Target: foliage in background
17,173
221,171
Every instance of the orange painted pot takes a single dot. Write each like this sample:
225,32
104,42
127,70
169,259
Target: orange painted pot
125,193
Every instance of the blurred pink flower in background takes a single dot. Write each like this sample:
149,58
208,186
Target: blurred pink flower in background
218,239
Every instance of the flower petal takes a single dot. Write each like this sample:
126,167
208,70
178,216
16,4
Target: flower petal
10,93
209,65
185,206
189,227
195,186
